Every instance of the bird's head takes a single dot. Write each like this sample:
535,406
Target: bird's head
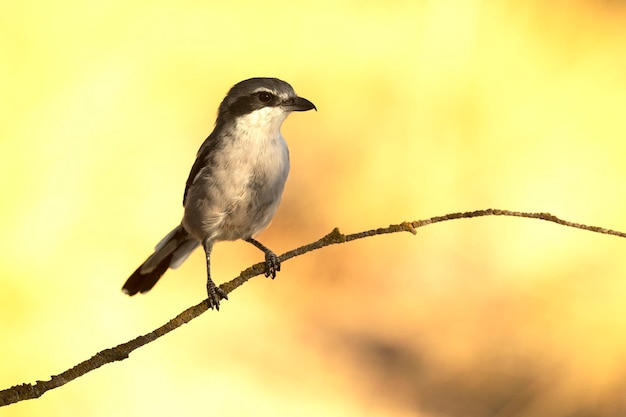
262,103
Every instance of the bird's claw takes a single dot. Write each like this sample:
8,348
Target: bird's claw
215,293
272,264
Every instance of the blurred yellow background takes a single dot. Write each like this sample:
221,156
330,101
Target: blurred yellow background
425,108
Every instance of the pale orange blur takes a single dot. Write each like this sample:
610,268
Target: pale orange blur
425,108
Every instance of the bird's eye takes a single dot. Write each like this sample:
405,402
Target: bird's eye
264,96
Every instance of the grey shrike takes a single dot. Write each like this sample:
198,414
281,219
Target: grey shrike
235,184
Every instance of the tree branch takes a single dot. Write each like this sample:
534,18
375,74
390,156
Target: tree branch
28,391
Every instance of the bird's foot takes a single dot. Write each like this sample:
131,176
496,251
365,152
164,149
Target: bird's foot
215,293
272,264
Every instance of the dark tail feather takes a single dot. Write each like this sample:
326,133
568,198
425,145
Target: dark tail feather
143,282
171,251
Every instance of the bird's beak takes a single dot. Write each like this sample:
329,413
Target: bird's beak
298,104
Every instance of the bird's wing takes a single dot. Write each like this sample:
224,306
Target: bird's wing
204,155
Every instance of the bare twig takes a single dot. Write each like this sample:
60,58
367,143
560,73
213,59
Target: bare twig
28,391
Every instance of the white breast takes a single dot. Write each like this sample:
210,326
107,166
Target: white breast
237,197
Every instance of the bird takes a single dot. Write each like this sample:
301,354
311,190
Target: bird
235,184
